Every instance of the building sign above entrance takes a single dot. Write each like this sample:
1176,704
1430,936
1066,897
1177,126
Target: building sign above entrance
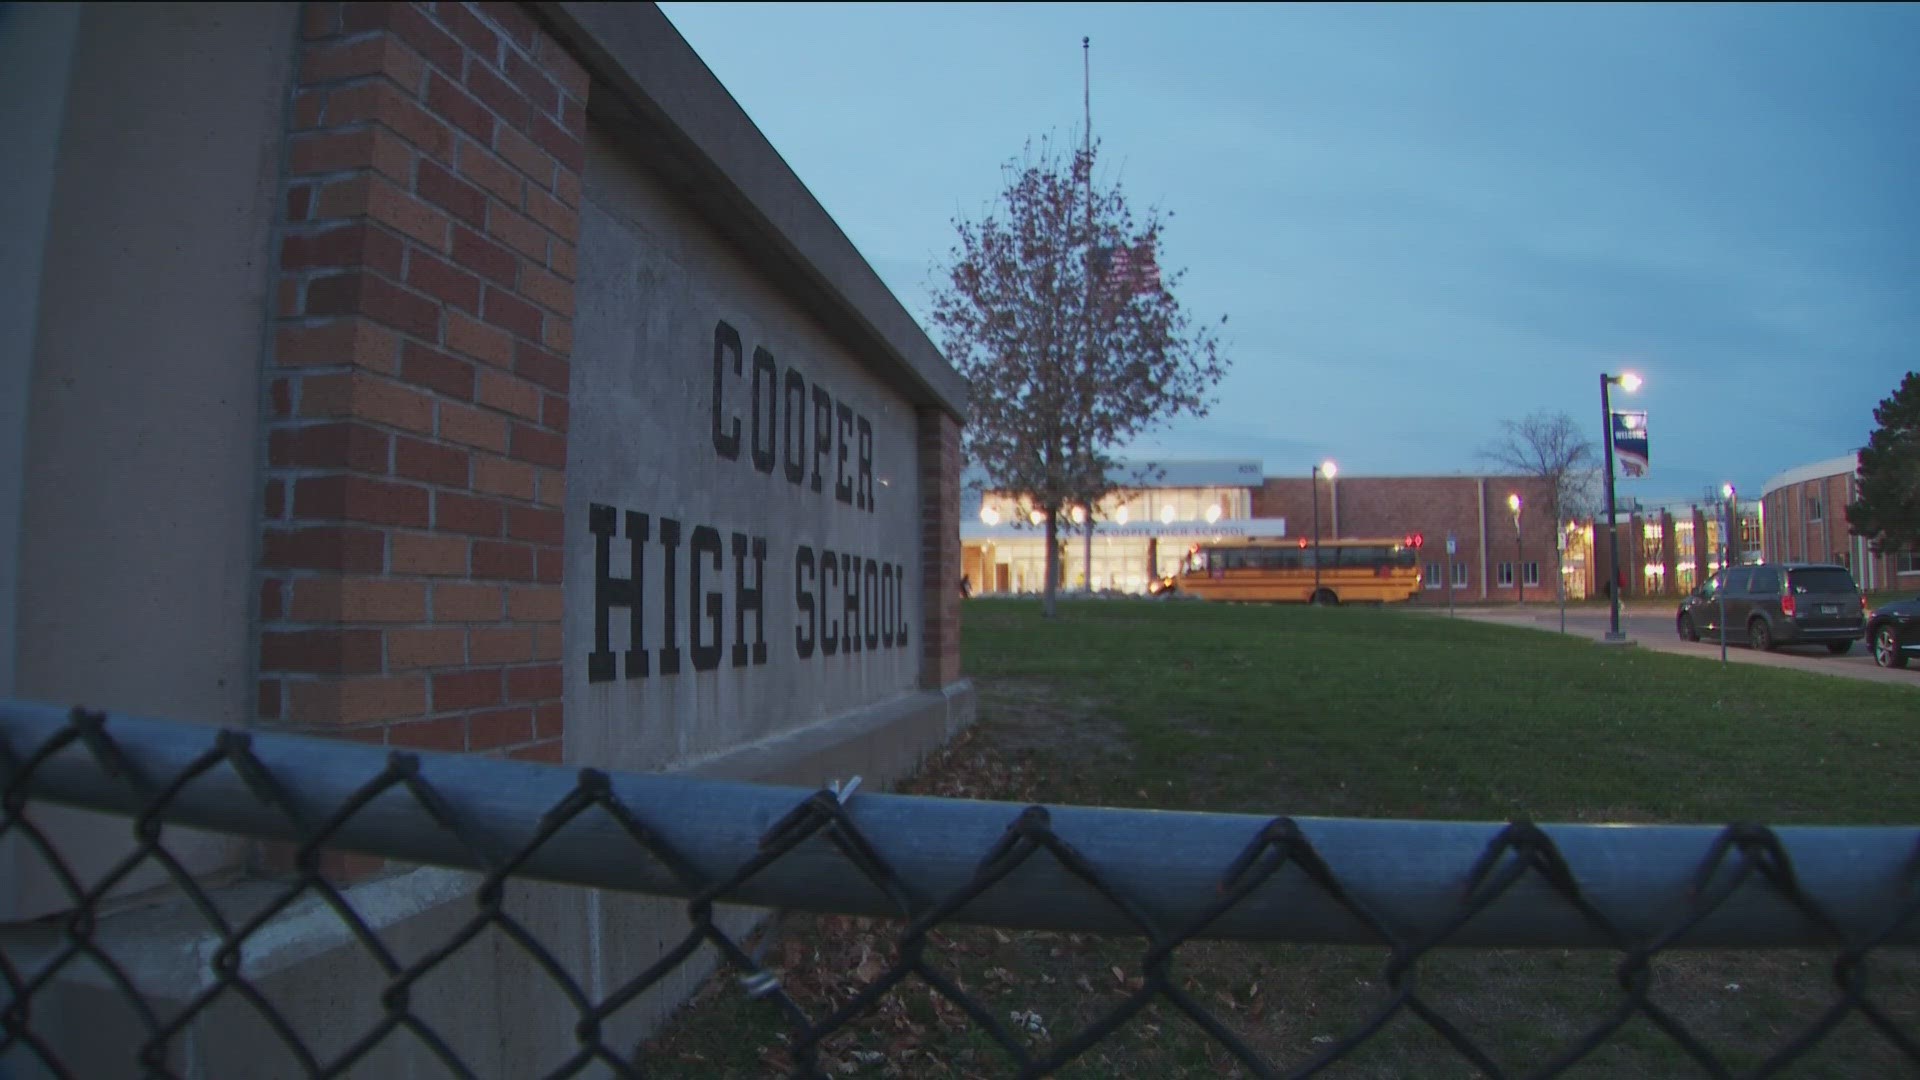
1249,527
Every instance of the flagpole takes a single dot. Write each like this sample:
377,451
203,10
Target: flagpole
1086,107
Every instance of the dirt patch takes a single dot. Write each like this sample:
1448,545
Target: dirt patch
1028,717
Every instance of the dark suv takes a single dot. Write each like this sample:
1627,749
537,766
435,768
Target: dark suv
1775,604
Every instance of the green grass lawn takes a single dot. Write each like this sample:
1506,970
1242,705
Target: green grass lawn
1364,712
1359,712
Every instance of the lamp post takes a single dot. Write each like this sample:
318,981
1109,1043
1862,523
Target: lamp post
1326,469
1519,564
1560,568
1629,382
1726,559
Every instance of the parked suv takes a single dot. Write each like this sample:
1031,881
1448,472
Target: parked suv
1775,604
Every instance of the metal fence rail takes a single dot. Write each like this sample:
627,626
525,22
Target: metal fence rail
1410,887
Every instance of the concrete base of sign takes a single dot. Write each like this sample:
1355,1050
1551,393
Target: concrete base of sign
492,1003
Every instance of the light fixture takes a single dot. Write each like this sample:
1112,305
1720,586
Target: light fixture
1166,514
1120,515
1036,517
1213,513
1079,515
989,516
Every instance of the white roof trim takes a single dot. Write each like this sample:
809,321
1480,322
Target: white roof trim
1844,465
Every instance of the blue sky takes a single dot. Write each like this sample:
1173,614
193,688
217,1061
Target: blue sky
1420,219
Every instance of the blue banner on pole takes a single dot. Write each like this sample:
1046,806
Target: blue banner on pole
1630,442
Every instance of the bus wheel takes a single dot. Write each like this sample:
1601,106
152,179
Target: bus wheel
1324,598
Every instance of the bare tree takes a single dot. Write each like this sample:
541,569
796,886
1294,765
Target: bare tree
1551,448
1056,310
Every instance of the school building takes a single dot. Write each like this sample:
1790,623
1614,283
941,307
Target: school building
1666,549
1142,530
1805,510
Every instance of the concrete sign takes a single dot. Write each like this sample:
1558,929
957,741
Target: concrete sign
747,555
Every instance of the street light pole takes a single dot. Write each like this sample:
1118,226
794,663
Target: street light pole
1519,556
1325,468
1630,382
1560,567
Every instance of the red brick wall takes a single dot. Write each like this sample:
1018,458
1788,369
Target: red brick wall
1393,506
939,453
417,416
1790,534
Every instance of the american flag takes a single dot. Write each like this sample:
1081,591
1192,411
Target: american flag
1131,270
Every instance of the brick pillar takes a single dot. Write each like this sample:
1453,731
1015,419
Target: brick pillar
1633,561
939,449
417,415
1669,555
1703,547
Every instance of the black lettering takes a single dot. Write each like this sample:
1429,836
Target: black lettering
899,604
865,494
887,601
724,338
706,541
795,441
804,634
744,598
763,456
850,603
610,592
670,549
871,619
822,430
842,483
829,629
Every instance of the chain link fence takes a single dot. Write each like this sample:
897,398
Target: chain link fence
1166,879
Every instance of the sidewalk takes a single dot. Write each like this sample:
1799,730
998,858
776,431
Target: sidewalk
1648,625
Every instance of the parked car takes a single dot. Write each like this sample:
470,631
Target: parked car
1773,604
1894,633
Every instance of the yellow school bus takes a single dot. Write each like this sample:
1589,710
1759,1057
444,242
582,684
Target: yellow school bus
1282,571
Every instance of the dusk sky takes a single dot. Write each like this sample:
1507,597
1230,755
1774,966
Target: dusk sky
1420,219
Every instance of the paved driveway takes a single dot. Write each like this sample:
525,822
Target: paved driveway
1649,625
